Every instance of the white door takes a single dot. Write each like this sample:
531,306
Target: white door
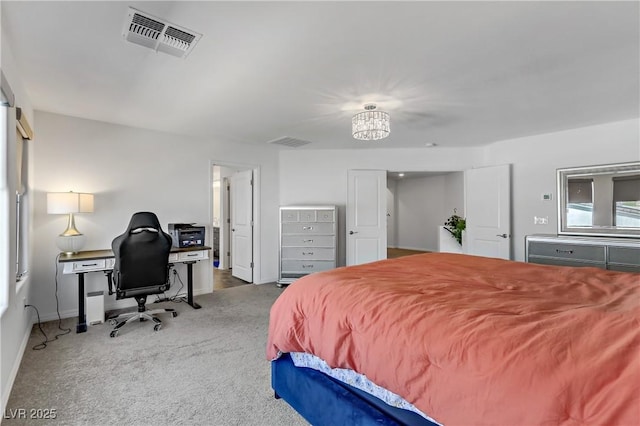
488,211
241,198
366,216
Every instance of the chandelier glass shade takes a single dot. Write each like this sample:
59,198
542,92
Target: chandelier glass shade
370,125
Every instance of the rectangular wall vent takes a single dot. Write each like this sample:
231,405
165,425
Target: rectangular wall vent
290,142
154,33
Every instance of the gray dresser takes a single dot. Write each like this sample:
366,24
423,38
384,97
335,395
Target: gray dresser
617,254
307,241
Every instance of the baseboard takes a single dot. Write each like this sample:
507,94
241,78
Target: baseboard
63,314
16,366
415,248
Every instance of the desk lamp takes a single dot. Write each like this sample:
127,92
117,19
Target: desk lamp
71,240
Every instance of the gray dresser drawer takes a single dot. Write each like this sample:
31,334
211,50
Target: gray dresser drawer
307,228
594,253
310,253
326,216
620,254
565,262
308,241
289,216
307,266
624,255
623,268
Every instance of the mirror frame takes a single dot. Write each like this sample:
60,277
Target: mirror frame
562,176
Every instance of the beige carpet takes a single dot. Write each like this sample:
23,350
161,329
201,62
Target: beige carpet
204,367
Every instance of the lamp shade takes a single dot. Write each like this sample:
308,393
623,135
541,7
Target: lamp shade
69,202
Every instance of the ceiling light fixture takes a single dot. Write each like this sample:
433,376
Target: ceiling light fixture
370,125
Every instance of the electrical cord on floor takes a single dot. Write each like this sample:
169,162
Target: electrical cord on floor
65,330
176,298
46,340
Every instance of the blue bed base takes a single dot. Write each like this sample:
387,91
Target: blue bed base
322,400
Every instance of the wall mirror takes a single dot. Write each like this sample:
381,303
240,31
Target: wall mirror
600,200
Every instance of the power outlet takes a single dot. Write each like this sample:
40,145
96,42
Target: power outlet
539,220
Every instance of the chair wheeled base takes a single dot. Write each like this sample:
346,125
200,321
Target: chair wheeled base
142,315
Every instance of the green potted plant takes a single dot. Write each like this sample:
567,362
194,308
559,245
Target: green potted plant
455,225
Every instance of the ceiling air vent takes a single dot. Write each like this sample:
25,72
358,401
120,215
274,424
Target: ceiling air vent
290,142
157,34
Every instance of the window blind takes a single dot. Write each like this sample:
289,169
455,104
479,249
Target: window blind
580,191
626,188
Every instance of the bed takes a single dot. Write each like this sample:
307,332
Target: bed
465,340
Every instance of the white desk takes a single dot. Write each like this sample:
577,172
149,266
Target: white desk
84,262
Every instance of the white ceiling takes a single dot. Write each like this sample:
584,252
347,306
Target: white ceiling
450,73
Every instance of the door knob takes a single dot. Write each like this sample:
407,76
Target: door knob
352,232
502,235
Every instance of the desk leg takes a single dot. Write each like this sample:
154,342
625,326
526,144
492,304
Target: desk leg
82,319
190,301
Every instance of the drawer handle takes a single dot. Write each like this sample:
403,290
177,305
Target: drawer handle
307,266
307,228
564,251
307,241
191,255
89,264
309,253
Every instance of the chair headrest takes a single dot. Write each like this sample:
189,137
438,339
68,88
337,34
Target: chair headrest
143,221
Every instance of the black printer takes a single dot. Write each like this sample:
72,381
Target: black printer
186,235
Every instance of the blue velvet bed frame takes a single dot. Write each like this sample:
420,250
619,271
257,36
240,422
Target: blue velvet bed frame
322,400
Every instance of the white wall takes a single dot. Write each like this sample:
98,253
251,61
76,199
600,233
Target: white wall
423,205
16,321
320,176
129,170
535,160
420,211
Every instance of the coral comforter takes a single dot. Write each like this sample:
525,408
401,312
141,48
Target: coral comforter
476,341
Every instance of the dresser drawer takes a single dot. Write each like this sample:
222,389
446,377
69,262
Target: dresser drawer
565,262
192,255
326,215
307,228
89,265
595,253
308,241
311,253
306,266
307,215
289,216
624,255
623,268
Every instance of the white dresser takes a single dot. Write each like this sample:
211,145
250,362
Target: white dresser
307,241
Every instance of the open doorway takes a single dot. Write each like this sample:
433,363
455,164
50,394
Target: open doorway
234,192
418,204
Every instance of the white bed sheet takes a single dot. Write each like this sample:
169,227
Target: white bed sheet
357,380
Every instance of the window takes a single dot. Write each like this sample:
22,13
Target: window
626,198
22,207
4,208
580,202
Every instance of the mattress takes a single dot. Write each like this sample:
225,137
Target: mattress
356,380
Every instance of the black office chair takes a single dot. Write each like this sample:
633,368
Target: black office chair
141,268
